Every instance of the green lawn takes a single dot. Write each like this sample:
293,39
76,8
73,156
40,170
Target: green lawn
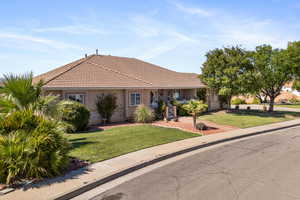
290,106
102,145
246,119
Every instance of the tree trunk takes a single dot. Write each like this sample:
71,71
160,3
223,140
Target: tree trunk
229,103
194,120
271,105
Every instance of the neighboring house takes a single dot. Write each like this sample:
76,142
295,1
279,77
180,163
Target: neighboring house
132,81
287,94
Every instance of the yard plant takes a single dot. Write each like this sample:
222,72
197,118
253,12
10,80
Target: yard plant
32,145
106,105
143,114
195,108
75,114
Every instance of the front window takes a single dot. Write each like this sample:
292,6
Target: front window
76,97
135,99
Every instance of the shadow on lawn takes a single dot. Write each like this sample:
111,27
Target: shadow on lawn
79,142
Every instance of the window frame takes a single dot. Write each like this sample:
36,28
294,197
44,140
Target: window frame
135,98
70,94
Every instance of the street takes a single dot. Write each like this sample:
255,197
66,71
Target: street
262,167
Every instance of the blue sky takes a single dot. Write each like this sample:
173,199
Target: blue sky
41,35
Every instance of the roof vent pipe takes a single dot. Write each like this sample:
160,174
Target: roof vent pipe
97,52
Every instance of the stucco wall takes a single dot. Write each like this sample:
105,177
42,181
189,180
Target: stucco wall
212,100
145,99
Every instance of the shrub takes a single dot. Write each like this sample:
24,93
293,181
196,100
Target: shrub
160,110
201,126
238,101
180,109
143,114
74,113
294,100
106,105
256,101
31,150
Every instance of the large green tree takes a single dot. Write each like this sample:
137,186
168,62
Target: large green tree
271,71
293,52
224,70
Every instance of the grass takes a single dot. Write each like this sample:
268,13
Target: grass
246,119
102,145
290,106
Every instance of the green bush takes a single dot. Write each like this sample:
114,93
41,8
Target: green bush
143,114
256,101
74,113
159,110
180,109
106,105
238,101
294,100
33,149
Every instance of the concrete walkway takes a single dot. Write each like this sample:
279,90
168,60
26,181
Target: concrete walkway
76,179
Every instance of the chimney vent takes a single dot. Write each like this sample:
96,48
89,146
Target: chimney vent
97,52
85,55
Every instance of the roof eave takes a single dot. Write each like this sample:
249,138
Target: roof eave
122,88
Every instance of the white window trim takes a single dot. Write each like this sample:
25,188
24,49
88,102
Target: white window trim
130,103
69,94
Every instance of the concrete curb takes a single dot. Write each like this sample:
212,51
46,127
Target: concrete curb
92,185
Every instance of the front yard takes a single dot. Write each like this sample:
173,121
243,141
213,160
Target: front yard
101,145
246,119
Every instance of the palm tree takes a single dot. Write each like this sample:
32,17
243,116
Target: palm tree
195,108
19,92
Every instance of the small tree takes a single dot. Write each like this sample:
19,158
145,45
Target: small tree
195,108
106,105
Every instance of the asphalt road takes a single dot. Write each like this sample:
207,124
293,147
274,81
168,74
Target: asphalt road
263,167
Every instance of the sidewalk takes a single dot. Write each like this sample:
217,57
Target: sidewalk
76,179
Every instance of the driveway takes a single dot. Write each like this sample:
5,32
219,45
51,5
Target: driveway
262,167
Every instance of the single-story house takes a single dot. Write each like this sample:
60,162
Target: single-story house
132,81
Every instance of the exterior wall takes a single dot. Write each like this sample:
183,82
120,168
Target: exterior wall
129,109
212,100
124,110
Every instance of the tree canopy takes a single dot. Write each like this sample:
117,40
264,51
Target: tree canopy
263,72
224,70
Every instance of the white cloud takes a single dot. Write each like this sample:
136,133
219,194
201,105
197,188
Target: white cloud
193,10
72,29
251,33
163,37
36,40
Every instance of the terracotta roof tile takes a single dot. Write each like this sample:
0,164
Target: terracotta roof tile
98,71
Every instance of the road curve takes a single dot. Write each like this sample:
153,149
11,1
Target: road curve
263,167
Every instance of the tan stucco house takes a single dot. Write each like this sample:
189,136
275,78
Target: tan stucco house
132,81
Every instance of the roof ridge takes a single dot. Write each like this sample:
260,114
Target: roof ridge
58,75
118,72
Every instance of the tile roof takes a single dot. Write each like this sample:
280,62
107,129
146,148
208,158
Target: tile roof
99,71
